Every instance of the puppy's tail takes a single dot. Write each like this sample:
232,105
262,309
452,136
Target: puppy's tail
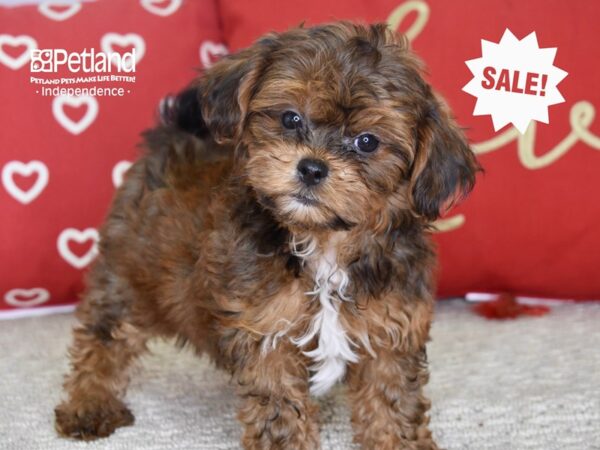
183,111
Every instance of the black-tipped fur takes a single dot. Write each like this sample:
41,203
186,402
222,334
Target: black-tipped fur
183,111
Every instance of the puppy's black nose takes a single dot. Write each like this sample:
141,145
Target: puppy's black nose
312,171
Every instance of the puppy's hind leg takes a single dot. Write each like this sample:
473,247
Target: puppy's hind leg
104,347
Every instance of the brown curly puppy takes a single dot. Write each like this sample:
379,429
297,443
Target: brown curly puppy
278,223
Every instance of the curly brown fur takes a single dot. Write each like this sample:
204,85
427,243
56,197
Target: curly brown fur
215,239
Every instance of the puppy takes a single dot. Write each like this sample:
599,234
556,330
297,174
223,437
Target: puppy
278,222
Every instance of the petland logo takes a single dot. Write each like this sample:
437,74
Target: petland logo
87,61
86,73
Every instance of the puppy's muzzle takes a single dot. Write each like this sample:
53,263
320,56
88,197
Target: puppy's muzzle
312,171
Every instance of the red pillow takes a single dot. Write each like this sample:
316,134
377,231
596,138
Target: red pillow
60,157
531,225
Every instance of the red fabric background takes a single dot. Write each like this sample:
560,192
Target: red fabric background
80,184
529,232
526,231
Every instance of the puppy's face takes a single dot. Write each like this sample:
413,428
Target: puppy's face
336,128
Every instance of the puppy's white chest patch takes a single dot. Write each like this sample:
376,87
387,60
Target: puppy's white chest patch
334,347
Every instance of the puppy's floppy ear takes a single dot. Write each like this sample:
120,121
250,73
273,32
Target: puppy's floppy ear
444,168
227,88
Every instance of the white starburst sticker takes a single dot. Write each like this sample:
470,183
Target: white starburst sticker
515,81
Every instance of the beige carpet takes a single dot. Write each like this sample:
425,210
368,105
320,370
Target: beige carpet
524,384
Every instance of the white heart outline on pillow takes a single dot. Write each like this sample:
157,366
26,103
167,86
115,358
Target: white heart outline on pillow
149,5
14,41
73,234
45,8
208,48
122,40
39,296
119,171
67,123
25,169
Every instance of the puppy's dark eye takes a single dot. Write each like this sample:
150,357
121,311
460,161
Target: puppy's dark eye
291,120
366,143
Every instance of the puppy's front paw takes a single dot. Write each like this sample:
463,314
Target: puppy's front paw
91,420
386,442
